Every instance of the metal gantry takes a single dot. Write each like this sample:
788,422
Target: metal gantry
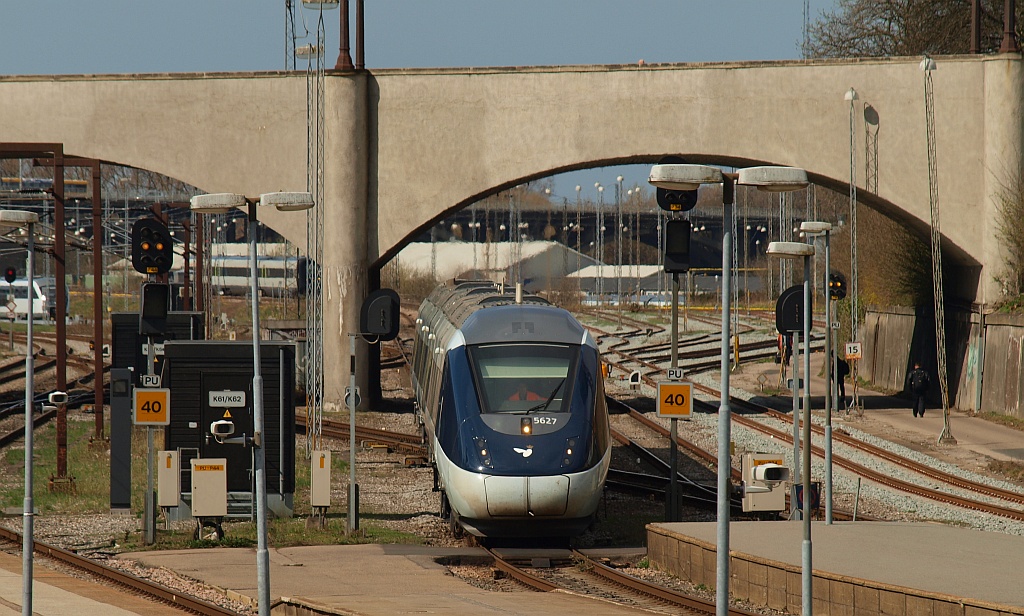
928,65
315,244
851,96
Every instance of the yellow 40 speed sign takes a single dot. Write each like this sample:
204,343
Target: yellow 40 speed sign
152,407
674,399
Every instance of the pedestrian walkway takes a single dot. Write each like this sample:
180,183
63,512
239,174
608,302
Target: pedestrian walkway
889,413
369,580
859,567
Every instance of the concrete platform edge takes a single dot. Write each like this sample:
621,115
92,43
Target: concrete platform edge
777,585
296,606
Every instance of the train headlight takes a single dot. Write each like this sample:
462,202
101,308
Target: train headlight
482,451
526,425
569,452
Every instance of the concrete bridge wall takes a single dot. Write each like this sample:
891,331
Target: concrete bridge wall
403,147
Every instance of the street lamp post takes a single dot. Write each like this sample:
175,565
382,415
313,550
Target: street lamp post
600,243
218,204
690,177
789,250
579,263
16,219
823,228
618,246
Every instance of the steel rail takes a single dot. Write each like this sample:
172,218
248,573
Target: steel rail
867,473
127,580
708,457
912,465
637,585
886,480
894,458
399,441
695,490
520,575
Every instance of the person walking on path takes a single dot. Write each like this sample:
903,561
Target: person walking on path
842,369
919,382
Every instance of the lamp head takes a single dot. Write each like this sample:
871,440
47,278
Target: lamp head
773,179
13,219
684,177
216,203
288,201
815,227
790,250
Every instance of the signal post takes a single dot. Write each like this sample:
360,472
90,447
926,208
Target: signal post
153,255
675,401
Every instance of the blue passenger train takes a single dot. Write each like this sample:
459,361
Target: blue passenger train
511,399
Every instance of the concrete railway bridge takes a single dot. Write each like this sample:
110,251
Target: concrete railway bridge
405,147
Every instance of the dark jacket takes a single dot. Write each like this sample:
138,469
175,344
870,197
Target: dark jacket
919,381
842,369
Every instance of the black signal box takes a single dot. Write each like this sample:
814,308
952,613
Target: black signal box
152,248
836,286
677,246
789,310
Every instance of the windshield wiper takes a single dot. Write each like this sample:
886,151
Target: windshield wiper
543,406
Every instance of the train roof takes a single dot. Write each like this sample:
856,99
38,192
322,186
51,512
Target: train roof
485,314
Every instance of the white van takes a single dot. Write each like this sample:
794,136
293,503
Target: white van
17,292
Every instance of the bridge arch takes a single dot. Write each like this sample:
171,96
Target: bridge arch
963,268
406,143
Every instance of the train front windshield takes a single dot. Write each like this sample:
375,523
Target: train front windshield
519,378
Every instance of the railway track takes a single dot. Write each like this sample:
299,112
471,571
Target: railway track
709,458
930,491
111,576
580,574
911,465
926,491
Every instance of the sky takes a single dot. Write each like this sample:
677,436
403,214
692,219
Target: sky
54,37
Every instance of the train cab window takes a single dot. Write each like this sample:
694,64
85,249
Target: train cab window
518,378
17,291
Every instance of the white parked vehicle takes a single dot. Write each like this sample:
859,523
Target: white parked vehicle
17,292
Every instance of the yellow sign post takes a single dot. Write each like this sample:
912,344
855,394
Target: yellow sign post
152,407
674,399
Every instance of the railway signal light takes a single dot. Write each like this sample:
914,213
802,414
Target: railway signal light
676,200
152,249
677,246
836,286
10,275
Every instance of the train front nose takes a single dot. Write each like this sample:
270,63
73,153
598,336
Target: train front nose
522,496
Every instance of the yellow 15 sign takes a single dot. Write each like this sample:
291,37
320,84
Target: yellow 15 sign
674,399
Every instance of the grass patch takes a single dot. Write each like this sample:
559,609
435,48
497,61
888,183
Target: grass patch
1004,420
90,467
1014,471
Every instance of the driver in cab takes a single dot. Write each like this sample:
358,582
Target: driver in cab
523,392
